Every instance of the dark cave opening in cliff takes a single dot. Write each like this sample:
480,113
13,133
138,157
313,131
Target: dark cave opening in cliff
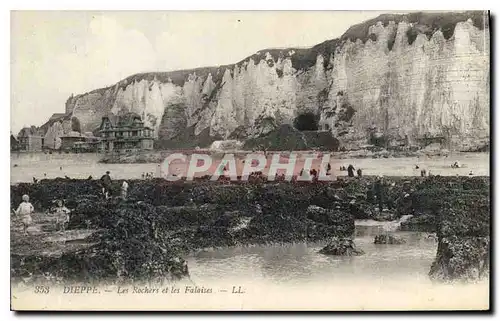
306,121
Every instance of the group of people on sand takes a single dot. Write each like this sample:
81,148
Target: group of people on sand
350,170
147,175
456,164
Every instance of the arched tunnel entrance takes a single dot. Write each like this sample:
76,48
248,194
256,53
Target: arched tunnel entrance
306,121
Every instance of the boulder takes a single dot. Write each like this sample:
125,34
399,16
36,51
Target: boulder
341,247
463,230
461,258
388,239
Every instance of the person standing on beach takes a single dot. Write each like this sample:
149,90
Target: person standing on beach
359,172
106,184
25,210
350,170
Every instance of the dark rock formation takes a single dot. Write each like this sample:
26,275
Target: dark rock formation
286,137
325,223
463,230
461,258
388,239
342,247
146,235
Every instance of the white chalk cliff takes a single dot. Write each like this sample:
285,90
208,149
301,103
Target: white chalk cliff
402,80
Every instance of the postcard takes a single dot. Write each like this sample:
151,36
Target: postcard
250,161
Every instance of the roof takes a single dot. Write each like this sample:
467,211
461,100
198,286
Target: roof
129,119
126,120
28,131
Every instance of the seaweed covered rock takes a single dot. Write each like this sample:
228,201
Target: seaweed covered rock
461,258
284,198
134,246
46,191
189,215
227,220
228,195
388,239
361,210
212,236
341,247
329,223
219,232
468,215
71,265
463,230
275,227
90,211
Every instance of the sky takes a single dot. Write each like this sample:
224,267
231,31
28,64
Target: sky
58,53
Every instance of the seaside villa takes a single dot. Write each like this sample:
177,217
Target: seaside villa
125,133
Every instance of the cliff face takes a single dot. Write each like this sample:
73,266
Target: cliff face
432,86
398,75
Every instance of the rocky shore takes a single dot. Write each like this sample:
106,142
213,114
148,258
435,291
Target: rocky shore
145,236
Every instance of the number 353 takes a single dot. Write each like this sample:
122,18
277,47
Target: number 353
42,289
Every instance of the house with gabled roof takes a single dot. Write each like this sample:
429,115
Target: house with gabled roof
125,133
30,140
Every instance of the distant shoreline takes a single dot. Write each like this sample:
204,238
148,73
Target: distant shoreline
159,155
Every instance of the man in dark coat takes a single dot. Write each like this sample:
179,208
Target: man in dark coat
350,170
106,184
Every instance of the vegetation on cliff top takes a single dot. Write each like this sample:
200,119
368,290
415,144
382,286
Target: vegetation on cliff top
304,58
425,22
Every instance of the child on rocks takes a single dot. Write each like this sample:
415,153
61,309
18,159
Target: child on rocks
124,190
24,210
62,216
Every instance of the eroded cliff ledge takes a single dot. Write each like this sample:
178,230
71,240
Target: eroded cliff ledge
402,77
